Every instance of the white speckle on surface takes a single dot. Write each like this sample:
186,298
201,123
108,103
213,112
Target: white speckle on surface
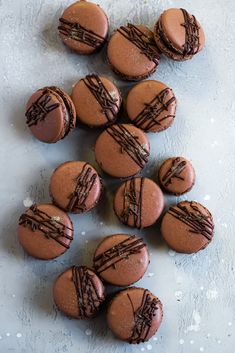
142,349
191,341
8,334
13,295
88,332
27,202
149,347
201,288
171,253
220,161
83,233
219,341
101,223
224,225
150,274
201,349
0,337
18,335
222,260
212,120
207,197
211,294
229,323
195,326
208,335
181,341
155,338
214,144
86,241
178,295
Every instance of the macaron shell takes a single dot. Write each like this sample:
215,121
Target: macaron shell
127,59
36,244
112,159
142,94
128,271
88,109
91,17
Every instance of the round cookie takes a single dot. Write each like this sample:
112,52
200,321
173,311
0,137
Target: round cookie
134,315
132,52
75,187
121,259
97,101
187,227
138,202
151,106
177,175
84,27
78,292
45,232
50,114
122,150
178,34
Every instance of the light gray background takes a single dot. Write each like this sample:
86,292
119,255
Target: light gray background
198,291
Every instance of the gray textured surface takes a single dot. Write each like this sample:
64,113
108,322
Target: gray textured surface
203,317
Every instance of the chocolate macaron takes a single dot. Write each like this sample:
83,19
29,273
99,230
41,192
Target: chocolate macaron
138,202
187,227
122,150
134,315
151,105
132,52
45,232
178,34
97,101
75,187
50,114
121,259
176,175
84,27
78,292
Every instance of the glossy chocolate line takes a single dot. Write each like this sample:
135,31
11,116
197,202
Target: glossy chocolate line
152,110
118,253
84,184
143,317
177,167
46,224
141,41
40,108
88,298
192,43
129,143
79,33
195,219
104,98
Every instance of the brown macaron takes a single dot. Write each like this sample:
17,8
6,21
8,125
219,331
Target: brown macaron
84,27
132,52
97,101
151,106
75,187
45,232
122,150
50,114
178,34
121,259
187,227
177,175
138,202
78,292
134,315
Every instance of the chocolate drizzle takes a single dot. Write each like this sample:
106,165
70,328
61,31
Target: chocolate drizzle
146,44
152,111
175,170
143,317
84,184
49,226
198,222
88,298
129,144
192,43
40,108
107,102
117,253
79,33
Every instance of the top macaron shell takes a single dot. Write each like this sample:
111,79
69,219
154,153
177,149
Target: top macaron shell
92,18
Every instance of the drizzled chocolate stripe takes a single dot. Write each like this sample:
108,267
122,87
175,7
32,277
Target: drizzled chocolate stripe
144,43
51,228
40,108
84,184
198,222
88,298
143,317
79,33
107,102
132,202
192,43
177,167
150,114
118,253
130,144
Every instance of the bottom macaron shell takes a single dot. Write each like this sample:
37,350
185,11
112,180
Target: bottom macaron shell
134,315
